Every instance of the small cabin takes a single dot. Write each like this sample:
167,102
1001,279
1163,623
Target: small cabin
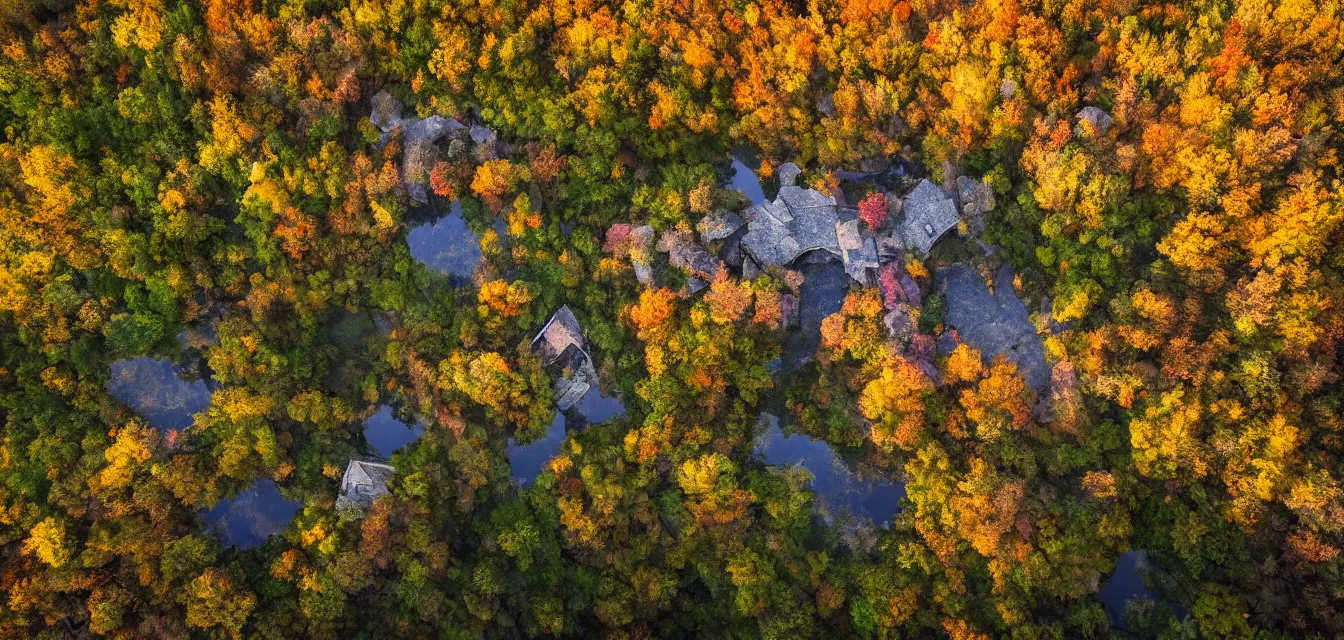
363,481
562,348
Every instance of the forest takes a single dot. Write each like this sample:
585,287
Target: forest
965,319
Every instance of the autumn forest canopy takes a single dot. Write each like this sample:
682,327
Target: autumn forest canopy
669,318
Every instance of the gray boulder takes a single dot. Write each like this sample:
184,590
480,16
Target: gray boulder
1100,120
826,105
719,225
422,137
486,140
386,111
994,323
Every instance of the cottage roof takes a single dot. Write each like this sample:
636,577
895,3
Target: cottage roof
363,480
929,213
562,348
798,221
561,331
798,198
770,242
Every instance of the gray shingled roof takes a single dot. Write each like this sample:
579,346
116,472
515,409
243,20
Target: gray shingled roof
814,228
929,213
563,349
770,242
363,481
798,221
561,331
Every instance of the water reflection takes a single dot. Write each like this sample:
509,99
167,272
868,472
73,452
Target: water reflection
447,245
745,180
153,389
824,288
386,434
527,460
1128,584
838,489
595,407
249,518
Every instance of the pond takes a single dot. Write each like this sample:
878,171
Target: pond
249,518
595,407
447,245
824,288
153,389
1125,584
745,180
839,491
386,434
1128,584
528,460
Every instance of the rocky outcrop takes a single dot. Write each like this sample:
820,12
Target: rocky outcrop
683,251
719,226
421,138
857,252
1099,121
788,174
976,199
994,322
641,242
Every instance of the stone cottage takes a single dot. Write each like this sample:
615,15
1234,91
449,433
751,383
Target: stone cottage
362,482
563,350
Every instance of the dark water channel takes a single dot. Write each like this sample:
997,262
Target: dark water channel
446,245
839,490
528,460
386,434
249,518
154,390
